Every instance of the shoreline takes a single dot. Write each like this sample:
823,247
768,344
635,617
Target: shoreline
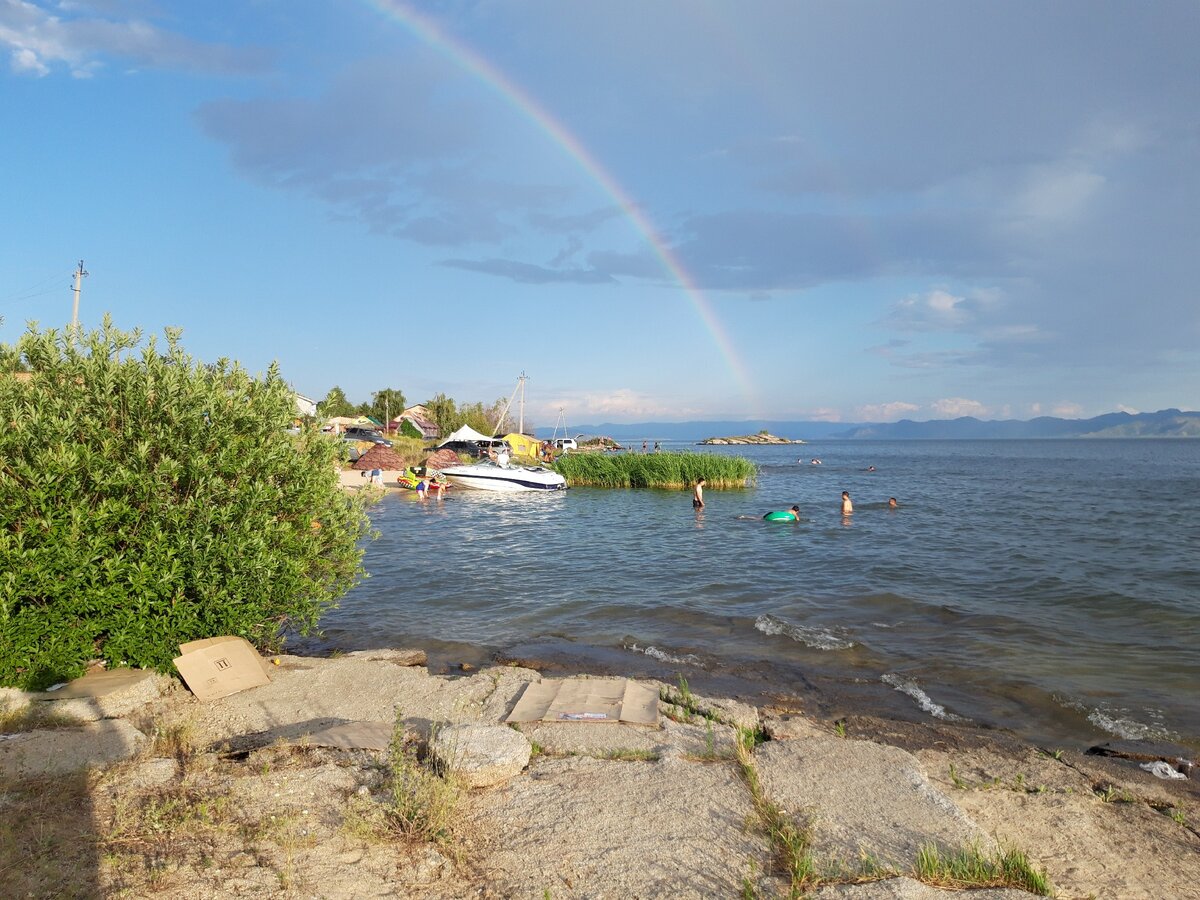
665,808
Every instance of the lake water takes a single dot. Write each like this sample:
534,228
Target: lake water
1050,587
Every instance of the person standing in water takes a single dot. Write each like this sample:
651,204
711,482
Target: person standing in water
698,495
847,506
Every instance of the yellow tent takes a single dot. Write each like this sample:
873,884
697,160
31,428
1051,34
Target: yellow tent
523,445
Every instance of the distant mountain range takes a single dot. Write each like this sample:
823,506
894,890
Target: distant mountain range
1164,423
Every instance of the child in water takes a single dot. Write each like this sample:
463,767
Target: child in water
847,506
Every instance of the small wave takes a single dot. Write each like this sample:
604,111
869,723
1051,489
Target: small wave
1118,723
809,635
663,656
910,687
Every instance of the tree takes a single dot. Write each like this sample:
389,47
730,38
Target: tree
335,404
386,405
147,500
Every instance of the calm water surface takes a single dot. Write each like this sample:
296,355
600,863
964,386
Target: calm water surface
1050,587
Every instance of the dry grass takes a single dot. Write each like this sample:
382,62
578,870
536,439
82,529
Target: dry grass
48,842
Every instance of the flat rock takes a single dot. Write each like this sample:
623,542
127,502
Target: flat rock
60,751
308,693
396,657
582,827
1089,847
862,797
13,699
481,755
791,727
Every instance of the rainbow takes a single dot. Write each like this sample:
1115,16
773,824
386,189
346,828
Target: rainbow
429,32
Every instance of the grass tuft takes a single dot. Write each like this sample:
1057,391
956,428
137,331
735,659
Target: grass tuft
421,802
969,867
791,843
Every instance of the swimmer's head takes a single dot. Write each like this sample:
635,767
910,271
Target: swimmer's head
795,509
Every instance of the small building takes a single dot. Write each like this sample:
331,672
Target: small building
305,406
419,418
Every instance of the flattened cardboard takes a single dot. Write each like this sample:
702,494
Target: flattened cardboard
587,700
209,642
98,683
220,667
354,736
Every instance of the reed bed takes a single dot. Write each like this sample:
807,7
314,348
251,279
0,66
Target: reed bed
668,471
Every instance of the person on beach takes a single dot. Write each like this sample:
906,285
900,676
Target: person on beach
892,504
698,495
847,506
377,477
644,445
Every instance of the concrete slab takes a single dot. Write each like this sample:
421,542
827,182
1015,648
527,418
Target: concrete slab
581,827
862,797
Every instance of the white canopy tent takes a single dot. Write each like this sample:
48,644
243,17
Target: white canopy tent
467,433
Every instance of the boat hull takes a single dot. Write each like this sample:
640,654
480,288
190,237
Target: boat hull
487,476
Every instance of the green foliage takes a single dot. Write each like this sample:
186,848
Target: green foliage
409,430
335,404
147,499
450,416
655,470
385,405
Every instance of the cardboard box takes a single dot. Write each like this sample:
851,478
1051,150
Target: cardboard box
587,700
220,666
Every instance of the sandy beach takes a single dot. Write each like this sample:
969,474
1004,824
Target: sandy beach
160,794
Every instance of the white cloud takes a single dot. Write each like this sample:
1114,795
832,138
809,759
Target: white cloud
1067,410
25,62
619,404
953,407
823,414
885,412
1121,407
934,310
38,40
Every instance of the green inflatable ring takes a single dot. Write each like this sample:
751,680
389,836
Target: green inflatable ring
781,516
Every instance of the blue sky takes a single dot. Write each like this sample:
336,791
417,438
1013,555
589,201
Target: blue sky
663,211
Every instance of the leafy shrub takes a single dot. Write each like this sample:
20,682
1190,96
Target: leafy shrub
409,430
147,499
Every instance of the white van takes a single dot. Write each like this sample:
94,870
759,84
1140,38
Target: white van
565,444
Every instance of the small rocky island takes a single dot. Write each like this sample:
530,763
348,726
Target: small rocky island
763,437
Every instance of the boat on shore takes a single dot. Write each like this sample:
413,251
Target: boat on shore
504,477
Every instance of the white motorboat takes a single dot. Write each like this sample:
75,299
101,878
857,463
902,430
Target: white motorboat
501,476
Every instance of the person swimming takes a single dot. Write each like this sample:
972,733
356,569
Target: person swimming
789,515
892,504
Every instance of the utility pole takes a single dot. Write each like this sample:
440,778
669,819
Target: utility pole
80,273
521,422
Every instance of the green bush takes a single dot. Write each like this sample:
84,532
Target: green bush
409,430
147,499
